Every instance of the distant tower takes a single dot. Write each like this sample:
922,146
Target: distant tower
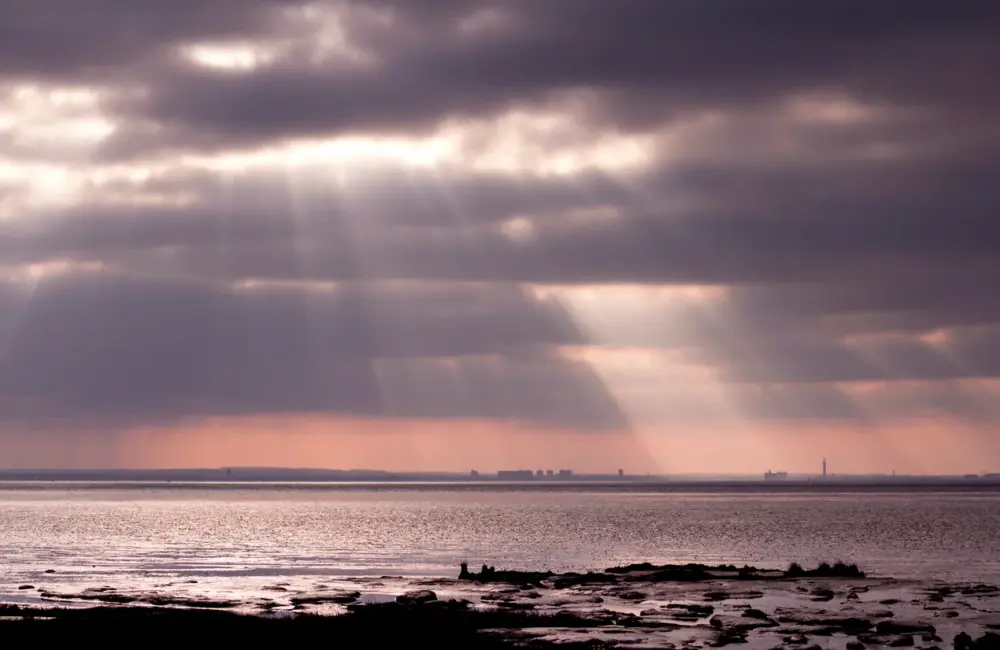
621,473
824,468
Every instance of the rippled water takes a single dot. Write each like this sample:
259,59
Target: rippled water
232,538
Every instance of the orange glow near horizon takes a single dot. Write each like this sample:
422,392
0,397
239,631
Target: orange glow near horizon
927,447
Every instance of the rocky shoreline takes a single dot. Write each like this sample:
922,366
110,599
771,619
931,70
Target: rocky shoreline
684,607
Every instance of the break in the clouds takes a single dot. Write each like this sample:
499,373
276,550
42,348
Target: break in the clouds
580,214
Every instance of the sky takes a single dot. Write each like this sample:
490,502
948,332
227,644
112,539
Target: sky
670,236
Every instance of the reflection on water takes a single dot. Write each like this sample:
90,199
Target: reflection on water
230,539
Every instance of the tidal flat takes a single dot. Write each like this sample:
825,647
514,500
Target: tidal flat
681,607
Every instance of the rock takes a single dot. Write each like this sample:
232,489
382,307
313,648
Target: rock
336,597
821,595
417,597
716,595
510,604
975,590
951,614
882,613
930,638
499,594
726,638
795,639
903,627
98,594
853,596
192,601
962,641
756,613
738,624
902,641
632,595
685,612
889,601
855,645
849,624
936,598
749,595
50,570
25,587
988,641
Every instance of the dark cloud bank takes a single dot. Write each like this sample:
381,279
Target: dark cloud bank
840,247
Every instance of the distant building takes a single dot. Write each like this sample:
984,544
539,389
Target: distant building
824,468
565,473
474,474
775,476
539,474
550,473
621,473
515,475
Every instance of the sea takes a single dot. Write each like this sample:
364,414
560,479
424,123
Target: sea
238,540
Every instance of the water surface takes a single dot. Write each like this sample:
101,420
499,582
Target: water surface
240,537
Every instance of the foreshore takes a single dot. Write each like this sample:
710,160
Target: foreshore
686,607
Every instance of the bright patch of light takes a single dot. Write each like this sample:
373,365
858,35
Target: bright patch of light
31,273
519,229
548,143
636,295
61,125
836,110
937,338
325,30
235,57
481,22
37,117
348,151
38,185
625,316
252,285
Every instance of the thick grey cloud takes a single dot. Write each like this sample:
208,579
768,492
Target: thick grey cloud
63,41
646,64
418,66
832,163
831,222
125,350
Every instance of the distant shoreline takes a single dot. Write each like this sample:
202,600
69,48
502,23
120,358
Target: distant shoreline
579,484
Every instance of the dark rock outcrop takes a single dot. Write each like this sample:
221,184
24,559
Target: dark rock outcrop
416,597
825,570
336,597
903,627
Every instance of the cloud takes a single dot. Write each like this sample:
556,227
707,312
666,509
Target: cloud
393,209
99,346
